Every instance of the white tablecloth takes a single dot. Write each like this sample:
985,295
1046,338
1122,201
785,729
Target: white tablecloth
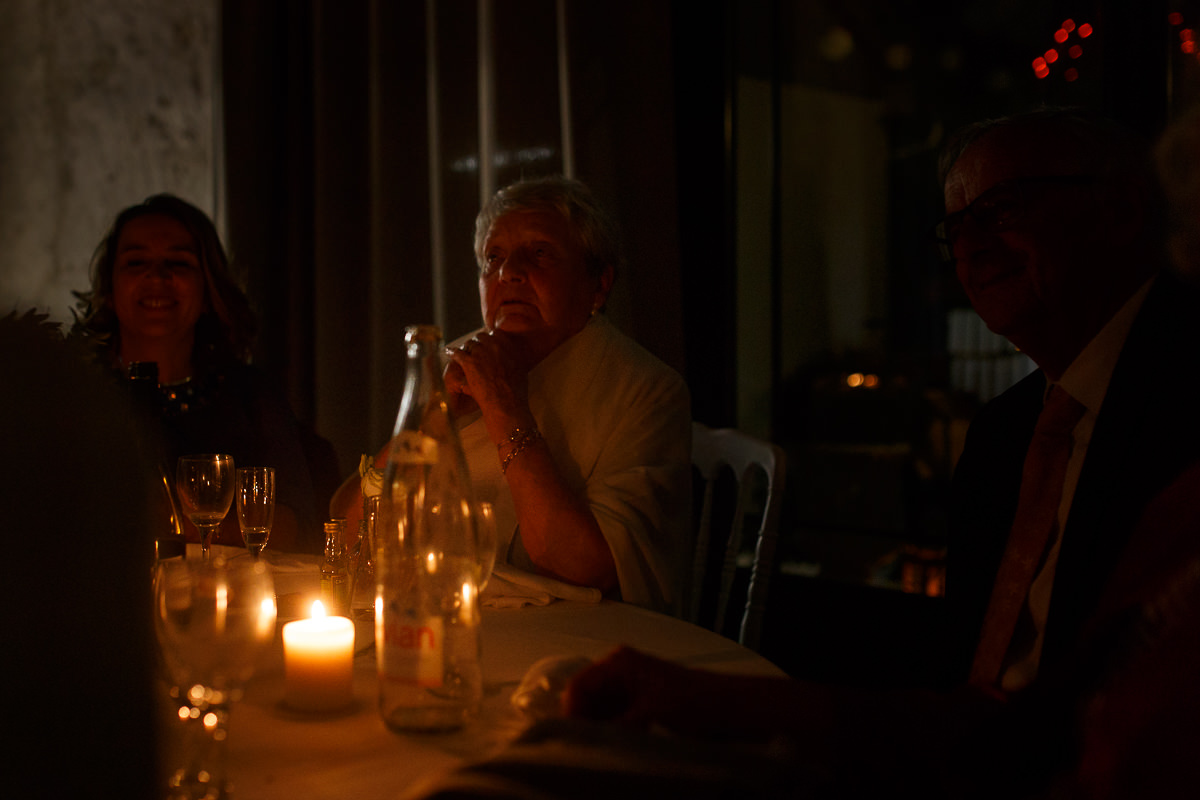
278,753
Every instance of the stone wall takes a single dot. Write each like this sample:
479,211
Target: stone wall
102,103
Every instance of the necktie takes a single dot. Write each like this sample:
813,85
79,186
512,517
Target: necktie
1037,518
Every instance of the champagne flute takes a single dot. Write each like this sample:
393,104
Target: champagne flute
254,492
214,619
205,487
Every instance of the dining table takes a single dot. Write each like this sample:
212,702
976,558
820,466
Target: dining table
276,751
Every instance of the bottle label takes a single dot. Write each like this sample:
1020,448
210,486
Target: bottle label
412,649
414,447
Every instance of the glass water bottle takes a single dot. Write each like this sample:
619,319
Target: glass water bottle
426,566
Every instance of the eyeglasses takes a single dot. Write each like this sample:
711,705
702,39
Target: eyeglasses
996,208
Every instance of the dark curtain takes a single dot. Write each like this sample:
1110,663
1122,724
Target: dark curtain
328,150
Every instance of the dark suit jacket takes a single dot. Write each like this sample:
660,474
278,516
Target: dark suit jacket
1147,432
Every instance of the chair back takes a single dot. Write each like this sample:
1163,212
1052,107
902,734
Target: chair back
725,451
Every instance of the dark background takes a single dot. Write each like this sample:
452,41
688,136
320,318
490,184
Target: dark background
331,156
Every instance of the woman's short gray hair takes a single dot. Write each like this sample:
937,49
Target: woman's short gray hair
594,229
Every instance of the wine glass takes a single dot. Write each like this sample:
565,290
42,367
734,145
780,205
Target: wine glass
485,522
254,491
205,487
213,618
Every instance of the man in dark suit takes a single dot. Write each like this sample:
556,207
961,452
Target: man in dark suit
1053,231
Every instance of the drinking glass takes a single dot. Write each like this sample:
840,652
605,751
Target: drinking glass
213,620
204,484
485,522
254,492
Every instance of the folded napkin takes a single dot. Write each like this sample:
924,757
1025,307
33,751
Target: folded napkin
291,562
510,587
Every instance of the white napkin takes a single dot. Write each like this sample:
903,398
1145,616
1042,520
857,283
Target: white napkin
290,562
510,587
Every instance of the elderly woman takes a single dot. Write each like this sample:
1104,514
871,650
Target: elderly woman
578,436
163,292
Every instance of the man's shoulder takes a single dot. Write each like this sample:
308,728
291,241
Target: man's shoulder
1162,344
1020,403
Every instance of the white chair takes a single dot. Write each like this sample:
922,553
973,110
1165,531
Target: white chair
713,452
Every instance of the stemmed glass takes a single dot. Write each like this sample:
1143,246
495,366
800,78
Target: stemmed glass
205,487
485,522
255,495
213,619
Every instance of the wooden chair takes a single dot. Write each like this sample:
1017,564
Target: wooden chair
717,452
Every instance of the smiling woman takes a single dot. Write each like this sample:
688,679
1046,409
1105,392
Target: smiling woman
163,292
158,294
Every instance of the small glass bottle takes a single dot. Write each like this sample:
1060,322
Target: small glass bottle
335,570
426,565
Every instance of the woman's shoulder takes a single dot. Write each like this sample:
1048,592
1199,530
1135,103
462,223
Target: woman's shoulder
629,357
603,362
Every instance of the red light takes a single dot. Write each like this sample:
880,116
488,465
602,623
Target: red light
1075,52
1085,30
1175,18
1039,63
1188,47
1068,25
1060,36
1187,35
1041,71
1051,56
1071,74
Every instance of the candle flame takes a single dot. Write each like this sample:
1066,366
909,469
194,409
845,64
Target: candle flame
318,609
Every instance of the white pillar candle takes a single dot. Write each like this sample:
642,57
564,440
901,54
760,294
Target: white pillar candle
318,657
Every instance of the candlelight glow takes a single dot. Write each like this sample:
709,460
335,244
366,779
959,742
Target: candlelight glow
318,609
468,601
266,617
222,606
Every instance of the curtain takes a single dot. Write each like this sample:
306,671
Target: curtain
355,132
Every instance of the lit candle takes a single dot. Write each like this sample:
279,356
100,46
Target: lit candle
318,656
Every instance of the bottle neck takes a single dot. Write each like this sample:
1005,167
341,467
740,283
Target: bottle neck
424,390
333,539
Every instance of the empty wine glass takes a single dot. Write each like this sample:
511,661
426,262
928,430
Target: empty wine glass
485,522
213,619
254,493
205,487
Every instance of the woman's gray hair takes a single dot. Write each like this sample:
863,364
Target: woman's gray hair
594,229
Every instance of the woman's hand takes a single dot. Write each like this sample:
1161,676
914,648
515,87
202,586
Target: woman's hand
558,529
491,371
